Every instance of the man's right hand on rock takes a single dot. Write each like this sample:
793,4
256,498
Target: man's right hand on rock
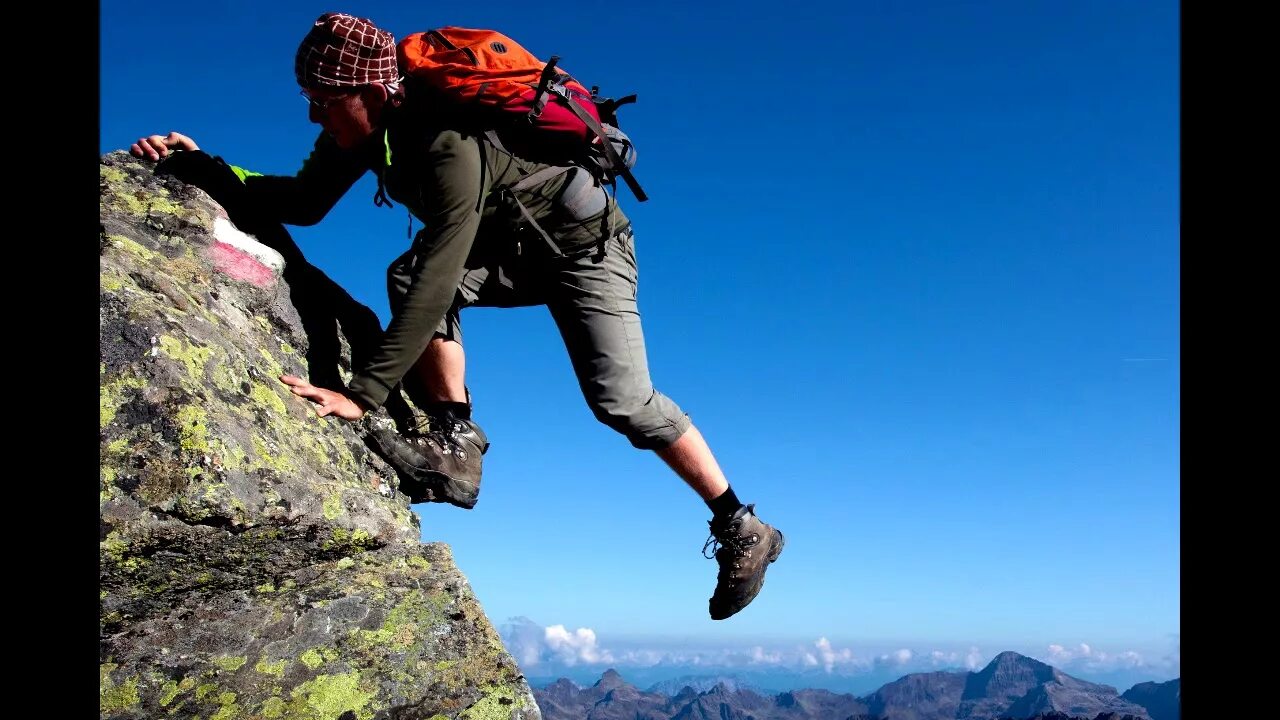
155,147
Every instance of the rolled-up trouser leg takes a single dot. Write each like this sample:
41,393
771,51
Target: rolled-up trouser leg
593,301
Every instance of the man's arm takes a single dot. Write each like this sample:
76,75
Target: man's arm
305,198
302,199
452,188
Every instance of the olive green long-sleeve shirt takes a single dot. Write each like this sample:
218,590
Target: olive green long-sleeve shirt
450,179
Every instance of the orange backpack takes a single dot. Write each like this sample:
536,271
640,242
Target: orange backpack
534,108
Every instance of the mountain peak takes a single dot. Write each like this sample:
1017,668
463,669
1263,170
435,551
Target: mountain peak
1010,657
1011,663
610,679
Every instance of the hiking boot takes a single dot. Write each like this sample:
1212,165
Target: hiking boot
746,548
437,461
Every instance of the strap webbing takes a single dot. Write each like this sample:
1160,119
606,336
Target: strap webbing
605,142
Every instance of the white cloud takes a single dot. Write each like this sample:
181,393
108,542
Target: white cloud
574,647
1057,653
1086,657
1129,658
759,656
971,660
532,644
897,658
830,656
643,658
1080,653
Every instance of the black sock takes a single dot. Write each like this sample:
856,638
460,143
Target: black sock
459,410
725,505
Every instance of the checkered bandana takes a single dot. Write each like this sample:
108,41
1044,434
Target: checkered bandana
345,51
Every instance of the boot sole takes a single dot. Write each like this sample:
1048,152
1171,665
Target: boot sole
463,495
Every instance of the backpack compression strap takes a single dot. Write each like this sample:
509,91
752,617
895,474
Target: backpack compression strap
605,143
550,83
544,82
524,183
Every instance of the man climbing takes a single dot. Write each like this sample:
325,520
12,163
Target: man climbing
559,240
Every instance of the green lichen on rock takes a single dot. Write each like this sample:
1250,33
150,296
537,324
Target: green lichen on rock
271,668
274,707
312,658
113,546
274,369
225,378
134,248
268,398
273,460
113,697
142,205
328,696
111,175
495,705
168,692
193,357
231,664
413,617
111,282
111,395
229,710
332,507
193,429
344,541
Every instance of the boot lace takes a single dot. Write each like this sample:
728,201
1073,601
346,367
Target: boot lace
441,431
740,545
729,537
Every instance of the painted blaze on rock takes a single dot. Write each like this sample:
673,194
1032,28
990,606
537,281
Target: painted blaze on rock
256,561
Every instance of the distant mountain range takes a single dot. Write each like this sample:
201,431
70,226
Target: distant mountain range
704,683
1010,686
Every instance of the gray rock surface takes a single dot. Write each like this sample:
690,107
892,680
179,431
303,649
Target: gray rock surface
256,560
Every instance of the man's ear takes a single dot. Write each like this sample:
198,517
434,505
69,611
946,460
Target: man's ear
376,97
375,94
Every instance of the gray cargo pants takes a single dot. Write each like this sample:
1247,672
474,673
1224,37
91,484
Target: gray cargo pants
592,299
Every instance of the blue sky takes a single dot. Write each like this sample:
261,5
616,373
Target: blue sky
913,269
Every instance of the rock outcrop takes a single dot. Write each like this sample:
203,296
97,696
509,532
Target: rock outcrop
1163,701
257,561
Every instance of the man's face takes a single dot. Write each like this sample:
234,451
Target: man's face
344,113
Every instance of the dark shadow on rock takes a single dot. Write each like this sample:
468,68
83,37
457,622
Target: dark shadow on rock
322,304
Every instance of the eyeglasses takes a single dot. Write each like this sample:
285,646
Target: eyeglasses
323,104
